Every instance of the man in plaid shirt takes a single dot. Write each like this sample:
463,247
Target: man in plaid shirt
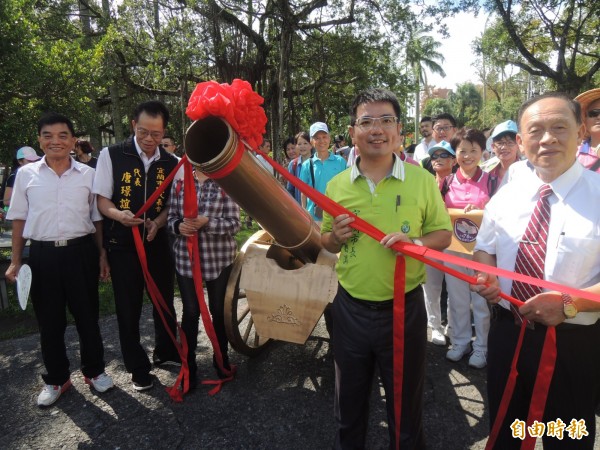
217,222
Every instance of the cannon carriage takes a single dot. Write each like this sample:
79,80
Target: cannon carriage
282,279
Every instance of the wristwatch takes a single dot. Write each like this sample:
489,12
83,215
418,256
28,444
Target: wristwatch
418,242
569,308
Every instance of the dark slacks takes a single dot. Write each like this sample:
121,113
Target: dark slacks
67,277
128,287
362,341
191,314
575,387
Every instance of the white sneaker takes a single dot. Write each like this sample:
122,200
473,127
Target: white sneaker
101,383
51,392
457,352
478,359
437,337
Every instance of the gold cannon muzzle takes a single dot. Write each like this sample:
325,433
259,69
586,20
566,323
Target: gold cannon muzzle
211,145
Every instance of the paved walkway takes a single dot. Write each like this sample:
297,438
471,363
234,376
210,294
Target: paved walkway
282,399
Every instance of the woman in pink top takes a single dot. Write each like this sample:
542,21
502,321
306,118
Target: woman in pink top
468,189
589,150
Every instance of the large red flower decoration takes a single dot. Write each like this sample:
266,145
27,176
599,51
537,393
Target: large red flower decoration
237,103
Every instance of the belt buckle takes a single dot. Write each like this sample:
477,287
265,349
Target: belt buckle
61,243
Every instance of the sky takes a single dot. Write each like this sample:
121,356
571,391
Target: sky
456,49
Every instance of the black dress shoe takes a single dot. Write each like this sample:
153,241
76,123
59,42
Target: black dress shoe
158,361
142,382
226,365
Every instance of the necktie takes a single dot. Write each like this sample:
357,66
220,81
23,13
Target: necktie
532,247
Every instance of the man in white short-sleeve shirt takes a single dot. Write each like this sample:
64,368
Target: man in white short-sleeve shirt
53,206
549,131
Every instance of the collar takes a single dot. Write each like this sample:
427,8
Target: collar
315,157
396,172
477,177
140,151
564,183
74,164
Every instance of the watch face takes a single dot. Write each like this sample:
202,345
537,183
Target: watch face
570,310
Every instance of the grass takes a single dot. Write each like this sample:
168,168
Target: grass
15,322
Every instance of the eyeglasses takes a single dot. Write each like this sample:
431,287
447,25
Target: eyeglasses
593,113
443,129
367,123
441,155
142,133
507,143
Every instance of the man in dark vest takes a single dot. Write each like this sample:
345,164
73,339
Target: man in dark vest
127,175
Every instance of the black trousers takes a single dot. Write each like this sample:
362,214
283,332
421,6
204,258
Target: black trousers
128,287
575,388
67,277
363,340
191,314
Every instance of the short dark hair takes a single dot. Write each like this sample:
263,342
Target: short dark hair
52,118
85,146
153,108
574,106
444,116
425,119
468,134
372,96
171,138
289,140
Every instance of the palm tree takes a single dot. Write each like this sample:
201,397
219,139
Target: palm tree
422,53
466,102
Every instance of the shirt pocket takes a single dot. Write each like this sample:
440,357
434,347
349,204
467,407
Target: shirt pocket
577,261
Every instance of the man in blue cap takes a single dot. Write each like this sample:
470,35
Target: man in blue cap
322,167
504,144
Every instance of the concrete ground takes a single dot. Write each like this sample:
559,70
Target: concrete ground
282,399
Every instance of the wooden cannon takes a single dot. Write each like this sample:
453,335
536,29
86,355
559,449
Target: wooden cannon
282,279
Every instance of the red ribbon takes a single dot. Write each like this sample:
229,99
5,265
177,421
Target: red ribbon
398,340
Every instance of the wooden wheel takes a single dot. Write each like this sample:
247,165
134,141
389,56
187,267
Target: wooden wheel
239,324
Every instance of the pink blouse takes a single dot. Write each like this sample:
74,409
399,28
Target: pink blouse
464,191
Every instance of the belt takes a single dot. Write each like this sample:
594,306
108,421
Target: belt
63,242
378,305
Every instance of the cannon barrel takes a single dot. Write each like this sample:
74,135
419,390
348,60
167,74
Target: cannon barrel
211,144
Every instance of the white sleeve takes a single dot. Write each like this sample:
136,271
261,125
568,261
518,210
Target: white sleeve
486,237
19,205
103,180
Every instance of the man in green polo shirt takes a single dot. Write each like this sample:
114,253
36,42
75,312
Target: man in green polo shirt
403,201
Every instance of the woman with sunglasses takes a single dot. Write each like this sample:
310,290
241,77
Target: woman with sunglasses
443,161
589,151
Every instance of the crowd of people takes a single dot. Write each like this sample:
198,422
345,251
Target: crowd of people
533,193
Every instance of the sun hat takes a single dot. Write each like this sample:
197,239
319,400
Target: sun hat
586,98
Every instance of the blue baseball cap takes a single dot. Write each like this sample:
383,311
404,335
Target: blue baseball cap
318,126
504,128
442,145
27,153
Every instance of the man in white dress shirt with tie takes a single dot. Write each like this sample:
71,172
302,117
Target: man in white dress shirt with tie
53,206
550,130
